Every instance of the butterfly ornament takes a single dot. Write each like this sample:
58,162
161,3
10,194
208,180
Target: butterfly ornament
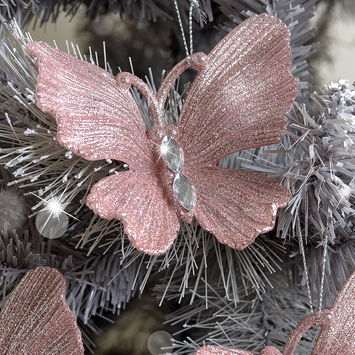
337,336
237,101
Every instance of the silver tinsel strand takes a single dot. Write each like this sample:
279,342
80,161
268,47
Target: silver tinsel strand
321,176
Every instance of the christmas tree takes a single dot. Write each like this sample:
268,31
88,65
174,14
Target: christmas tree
201,261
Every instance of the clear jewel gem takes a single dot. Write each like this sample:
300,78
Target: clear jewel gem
172,154
184,192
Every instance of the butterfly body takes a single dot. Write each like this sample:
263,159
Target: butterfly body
237,101
166,172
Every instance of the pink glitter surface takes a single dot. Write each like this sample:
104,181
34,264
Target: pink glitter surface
237,101
36,319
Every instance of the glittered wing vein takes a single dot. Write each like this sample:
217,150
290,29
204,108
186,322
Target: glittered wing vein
95,119
239,99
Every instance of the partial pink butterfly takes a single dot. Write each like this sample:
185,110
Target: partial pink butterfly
36,319
337,336
237,101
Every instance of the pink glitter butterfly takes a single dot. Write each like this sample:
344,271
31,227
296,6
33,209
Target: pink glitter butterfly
337,336
237,101
36,319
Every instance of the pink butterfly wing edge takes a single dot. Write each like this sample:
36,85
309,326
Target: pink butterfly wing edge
337,334
239,99
237,206
336,337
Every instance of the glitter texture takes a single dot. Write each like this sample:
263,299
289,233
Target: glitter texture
36,318
237,101
336,337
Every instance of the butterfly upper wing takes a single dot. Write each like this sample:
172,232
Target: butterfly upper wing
238,101
338,336
97,120
36,319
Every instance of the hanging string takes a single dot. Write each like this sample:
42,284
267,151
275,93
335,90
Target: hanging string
309,292
193,5
324,262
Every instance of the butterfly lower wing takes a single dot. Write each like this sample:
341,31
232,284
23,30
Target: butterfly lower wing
95,119
338,336
236,206
239,99
138,201
36,319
